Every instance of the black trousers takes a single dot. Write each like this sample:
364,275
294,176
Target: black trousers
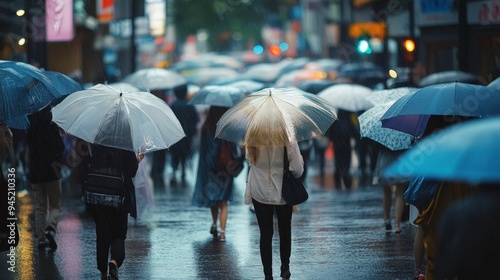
111,231
265,213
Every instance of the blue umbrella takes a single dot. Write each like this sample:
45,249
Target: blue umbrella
65,85
24,89
411,112
466,152
58,84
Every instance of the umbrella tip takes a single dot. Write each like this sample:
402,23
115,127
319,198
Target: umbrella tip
121,93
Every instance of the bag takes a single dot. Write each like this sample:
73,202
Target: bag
293,190
103,189
227,162
420,192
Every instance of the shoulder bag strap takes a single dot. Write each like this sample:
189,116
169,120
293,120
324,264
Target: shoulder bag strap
285,160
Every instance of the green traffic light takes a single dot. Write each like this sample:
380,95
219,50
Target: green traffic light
364,47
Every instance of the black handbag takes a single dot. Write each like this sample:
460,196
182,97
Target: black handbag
293,190
104,189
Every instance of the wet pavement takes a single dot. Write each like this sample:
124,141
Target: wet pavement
337,234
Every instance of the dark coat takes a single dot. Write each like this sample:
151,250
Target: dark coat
45,147
120,161
188,118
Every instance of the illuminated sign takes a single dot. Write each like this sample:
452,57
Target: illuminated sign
59,20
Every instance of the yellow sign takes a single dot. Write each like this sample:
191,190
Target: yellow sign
371,29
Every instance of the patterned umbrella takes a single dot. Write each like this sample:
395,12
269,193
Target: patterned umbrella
371,127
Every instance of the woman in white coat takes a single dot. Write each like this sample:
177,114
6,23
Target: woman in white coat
264,187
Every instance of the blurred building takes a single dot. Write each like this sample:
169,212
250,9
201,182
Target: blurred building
102,40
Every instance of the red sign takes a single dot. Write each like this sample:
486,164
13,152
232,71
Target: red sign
105,10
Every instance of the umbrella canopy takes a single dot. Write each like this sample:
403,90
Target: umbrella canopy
495,84
134,121
371,127
154,79
293,78
388,95
411,113
466,152
65,85
24,89
123,86
448,77
364,73
204,76
276,117
222,96
315,86
349,97
248,86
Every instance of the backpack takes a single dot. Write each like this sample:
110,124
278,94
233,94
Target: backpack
104,189
227,161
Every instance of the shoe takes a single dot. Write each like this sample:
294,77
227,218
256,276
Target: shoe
173,182
42,244
49,233
285,274
213,231
222,236
388,226
397,230
418,275
113,271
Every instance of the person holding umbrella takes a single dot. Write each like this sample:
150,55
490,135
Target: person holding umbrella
264,192
111,222
214,183
122,127
266,122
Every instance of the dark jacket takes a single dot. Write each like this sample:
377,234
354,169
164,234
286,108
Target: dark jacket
45,147
116,162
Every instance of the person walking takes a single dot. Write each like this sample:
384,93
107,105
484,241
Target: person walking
188,117
385,158
264,187
214,183
45,147
110,221
341,133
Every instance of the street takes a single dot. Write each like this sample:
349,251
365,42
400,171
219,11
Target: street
336,234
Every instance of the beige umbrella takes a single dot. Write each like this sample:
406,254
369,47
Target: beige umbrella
275,117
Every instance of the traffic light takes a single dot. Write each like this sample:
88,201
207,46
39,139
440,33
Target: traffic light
364,46
408,49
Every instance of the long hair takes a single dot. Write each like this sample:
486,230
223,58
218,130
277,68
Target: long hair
253,155
213,116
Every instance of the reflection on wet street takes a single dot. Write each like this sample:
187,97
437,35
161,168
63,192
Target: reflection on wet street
337,234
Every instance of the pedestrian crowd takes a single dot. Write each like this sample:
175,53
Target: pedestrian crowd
118,183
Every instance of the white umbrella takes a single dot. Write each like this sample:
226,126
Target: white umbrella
276,117
387,95
134,121
222,96
155,79
349,97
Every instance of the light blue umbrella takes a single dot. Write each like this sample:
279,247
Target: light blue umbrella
466,152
